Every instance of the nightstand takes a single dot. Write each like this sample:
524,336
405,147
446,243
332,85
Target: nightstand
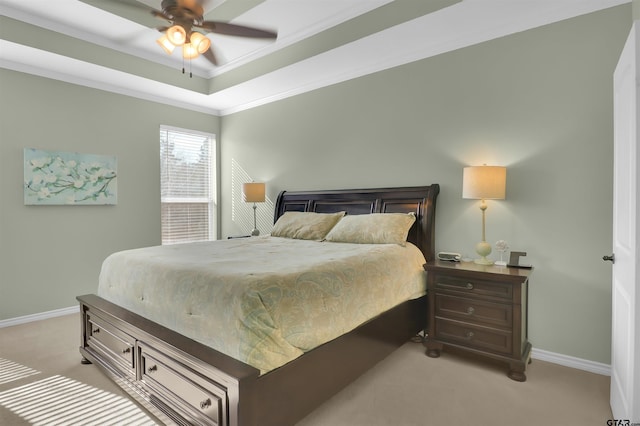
479,309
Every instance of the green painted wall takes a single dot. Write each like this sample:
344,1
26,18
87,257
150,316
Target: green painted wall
538,102
51,254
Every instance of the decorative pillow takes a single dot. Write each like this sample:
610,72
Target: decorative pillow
374,228
305,225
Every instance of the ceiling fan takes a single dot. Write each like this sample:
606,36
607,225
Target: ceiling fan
187,26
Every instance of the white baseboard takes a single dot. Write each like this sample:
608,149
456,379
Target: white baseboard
41,316
555,358
573,362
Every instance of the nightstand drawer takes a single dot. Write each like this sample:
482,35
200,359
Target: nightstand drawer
473,336
472,286
476,311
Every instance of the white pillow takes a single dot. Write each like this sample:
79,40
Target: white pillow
305,225
374,228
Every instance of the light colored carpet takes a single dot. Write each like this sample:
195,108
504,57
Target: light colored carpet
406,389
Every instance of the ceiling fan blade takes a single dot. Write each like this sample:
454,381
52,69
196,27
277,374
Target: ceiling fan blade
128,9
131,4
160,14
236,30
211,56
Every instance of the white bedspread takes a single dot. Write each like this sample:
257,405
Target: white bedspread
263,300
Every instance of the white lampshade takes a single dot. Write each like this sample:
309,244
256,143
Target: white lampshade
176,35
166,44
484,182
189,51
253,192
199,42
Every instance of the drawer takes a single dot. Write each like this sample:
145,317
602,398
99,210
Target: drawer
475,311
112,342
475,287
179,386
474,336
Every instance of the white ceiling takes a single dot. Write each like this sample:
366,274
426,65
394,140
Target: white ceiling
320,42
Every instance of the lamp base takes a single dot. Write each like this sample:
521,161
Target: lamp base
483,249
255,232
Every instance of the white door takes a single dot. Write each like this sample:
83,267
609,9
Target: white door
625,339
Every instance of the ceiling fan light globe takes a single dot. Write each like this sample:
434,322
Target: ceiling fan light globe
176,35
189,51
200,42
166,45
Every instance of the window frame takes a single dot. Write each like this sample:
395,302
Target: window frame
211,200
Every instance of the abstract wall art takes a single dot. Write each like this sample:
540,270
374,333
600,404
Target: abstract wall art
55,177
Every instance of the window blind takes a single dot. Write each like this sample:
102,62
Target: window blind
187,189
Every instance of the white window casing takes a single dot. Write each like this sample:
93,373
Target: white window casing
187,176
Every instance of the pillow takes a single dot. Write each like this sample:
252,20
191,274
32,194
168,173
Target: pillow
305,225
374,228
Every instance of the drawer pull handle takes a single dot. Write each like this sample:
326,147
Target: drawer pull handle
126,350
469,286
96,331
470,310
470,335
152,369
205,404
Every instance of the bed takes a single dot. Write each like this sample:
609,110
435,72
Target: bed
184,375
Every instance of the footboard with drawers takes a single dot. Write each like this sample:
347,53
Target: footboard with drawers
164,375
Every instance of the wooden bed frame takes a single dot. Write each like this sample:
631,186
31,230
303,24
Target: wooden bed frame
182,381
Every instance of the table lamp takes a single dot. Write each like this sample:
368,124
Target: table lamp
484,183
253,192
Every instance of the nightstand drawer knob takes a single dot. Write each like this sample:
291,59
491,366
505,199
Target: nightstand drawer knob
470,335
469,286
470,310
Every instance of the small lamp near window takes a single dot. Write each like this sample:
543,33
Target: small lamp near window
253,193
484,183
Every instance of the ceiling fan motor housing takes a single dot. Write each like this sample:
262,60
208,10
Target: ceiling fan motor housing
183,11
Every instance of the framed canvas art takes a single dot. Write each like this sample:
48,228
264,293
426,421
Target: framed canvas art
55,178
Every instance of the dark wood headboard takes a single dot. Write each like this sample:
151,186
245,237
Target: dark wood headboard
420,200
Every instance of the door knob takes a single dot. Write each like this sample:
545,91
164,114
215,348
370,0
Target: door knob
611,258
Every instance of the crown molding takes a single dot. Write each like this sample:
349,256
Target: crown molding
458,26
29,60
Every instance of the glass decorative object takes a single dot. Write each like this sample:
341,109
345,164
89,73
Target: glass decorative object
501,247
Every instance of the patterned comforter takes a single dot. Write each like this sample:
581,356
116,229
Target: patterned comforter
263,300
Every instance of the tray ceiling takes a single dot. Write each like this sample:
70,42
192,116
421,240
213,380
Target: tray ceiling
110,44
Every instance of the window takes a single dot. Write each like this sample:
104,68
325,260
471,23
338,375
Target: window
187,176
